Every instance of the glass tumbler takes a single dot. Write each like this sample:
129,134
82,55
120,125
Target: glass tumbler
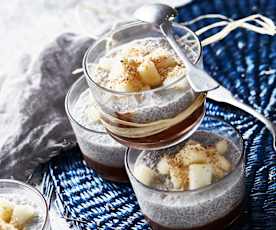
99,150
211,207
20,193
151,119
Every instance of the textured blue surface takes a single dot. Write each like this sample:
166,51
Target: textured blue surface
239,63
87,197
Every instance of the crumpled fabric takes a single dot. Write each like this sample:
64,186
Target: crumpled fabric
33,122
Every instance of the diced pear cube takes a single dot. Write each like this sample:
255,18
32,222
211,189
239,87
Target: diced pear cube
144,174
179,177
22,214
192,156
6,226
162,58
200,175
149,74
217,172
6,209
218,162
176,181
165,62
130,85
163,166
223,163
222,147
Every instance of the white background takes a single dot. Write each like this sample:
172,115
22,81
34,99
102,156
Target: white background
26,26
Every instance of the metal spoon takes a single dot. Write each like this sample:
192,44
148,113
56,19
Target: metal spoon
160,15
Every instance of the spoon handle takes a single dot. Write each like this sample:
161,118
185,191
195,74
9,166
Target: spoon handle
166,29
198,79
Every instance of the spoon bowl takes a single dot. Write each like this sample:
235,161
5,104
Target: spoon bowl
155,13
160,15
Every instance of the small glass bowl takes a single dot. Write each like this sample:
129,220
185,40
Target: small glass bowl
151,119
21,193
212,207
99,150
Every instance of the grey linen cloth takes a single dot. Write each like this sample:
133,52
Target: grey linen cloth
33,121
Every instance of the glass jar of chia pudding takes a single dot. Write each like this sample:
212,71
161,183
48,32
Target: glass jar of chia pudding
139,85
197,184
22,207
100,151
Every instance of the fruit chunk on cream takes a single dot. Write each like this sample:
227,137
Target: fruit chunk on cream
15,217
6,209
200,175
145,174
137,69
194,166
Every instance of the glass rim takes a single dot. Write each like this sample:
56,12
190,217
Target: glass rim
123,27
67,109
198,190
34,190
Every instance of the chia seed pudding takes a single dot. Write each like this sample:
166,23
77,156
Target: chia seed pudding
198,184
144,98
108,73
22,207
100,151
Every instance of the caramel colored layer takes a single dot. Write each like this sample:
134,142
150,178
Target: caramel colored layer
115,174
132,130
233,217
166,137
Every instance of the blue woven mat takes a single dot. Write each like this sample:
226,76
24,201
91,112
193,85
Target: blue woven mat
239,62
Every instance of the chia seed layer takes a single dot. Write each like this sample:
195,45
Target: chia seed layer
96,145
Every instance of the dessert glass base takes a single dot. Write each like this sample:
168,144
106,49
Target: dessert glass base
116,174
233,217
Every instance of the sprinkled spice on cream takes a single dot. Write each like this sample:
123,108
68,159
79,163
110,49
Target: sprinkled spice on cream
193,166
139,65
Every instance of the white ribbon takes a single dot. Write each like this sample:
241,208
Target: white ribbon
263,25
